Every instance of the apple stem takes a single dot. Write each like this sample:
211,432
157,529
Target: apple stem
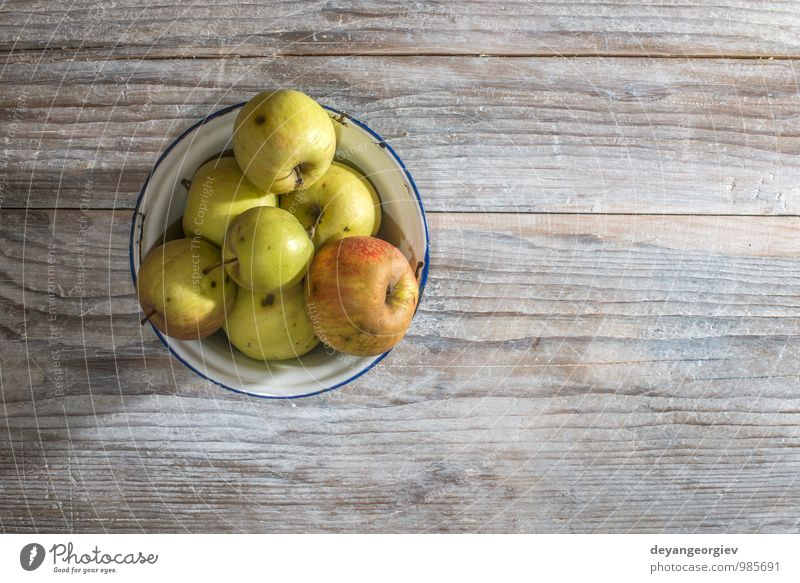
418,270
298,178
211,268
147,317
313,229
186,184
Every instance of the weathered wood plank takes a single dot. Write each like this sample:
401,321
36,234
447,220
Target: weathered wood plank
136,28
513,135
563,374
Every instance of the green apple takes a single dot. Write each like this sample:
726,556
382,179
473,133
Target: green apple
283,141
361,294
218,194
271,325
267,249
179,294
338,205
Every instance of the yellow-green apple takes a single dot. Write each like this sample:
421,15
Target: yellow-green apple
219,193
271,325
283,141
267,249
361,294
177,293
338,205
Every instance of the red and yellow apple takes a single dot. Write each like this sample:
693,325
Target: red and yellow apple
361,294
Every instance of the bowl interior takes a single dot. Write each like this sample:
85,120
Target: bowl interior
158,218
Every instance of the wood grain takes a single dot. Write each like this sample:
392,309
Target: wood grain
563,374
140,28
479,134
610,338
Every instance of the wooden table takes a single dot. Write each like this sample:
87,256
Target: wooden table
609,341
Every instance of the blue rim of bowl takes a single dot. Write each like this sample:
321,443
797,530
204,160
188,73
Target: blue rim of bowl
423,279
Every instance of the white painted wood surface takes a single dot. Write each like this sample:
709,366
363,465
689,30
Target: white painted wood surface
609,341
689,136
141,28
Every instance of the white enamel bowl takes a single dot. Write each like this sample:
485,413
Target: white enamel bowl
158,213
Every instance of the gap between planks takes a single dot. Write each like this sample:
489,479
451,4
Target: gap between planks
458,212
92,50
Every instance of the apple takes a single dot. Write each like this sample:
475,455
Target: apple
338,205
361,294
180,292
283,141
271,325
267,249
220,192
